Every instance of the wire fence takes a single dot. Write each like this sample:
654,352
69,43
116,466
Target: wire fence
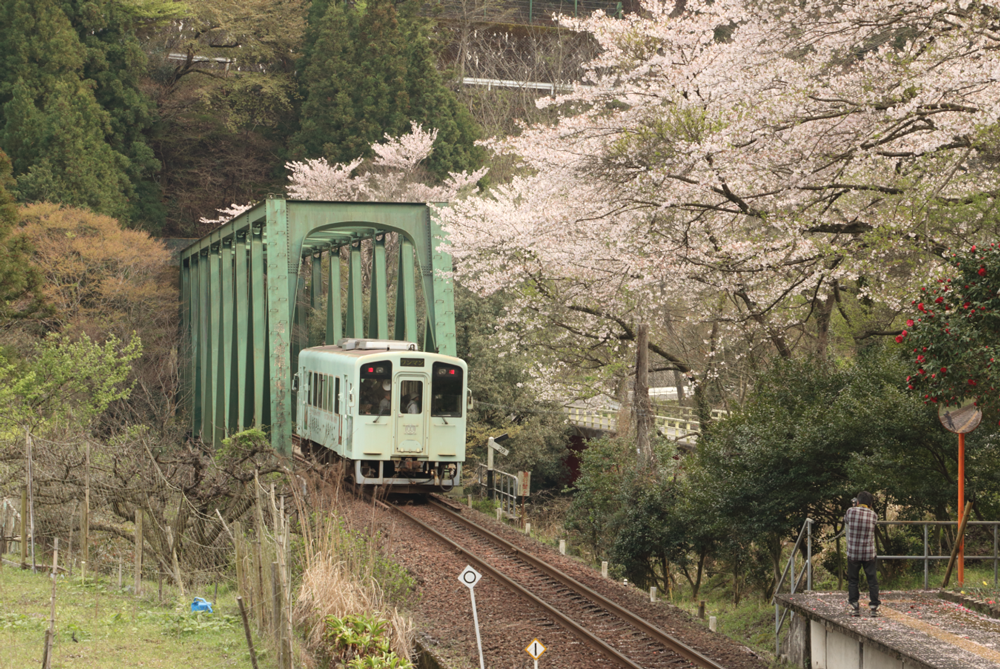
130,512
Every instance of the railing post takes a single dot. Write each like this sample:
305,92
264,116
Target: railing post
995,555
926,560
809,554
791,564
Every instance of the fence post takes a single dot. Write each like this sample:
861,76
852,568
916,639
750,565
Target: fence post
177,566
604,568
24,527
246,630
137,570
51,631
562,547
85,514
31,503
238,545
277,627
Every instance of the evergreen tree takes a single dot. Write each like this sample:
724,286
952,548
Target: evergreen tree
115,63
51,124
366,75
328,111
20,282
380,98
435,106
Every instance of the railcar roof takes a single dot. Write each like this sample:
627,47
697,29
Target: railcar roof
367,353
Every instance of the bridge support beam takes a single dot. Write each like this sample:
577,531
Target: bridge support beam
378,305
406,295
355,324
334,320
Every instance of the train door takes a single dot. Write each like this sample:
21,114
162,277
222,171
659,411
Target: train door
409,413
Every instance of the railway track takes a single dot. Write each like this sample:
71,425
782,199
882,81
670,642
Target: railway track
619,635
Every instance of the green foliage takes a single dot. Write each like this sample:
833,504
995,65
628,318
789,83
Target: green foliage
20,282
504,400
954,334
188,624
362,642
603,466
71,114
366,75
65,380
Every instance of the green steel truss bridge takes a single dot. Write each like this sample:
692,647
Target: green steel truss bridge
245,296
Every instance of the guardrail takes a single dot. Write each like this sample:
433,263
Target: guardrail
927,557
607,420
505,490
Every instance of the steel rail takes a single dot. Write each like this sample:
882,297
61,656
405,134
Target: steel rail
670,642
568,622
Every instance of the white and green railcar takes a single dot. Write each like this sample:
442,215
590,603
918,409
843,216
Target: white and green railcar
397,415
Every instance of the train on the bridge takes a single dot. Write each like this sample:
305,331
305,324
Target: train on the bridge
395,414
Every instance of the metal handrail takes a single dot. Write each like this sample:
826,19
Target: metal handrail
779,616
927,557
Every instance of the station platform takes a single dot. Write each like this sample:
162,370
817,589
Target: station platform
917,629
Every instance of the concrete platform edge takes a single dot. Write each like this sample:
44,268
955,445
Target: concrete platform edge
809,614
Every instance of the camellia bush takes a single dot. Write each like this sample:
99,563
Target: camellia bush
955,332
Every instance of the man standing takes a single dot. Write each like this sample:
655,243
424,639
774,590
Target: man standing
860,527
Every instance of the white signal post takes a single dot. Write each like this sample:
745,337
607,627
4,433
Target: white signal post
469,577
535,649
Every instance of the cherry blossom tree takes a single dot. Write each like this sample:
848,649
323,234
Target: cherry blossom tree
753,169
396,174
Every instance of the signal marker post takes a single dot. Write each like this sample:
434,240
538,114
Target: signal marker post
535,649
469,577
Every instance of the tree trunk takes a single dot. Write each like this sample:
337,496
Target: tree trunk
823,313
643,407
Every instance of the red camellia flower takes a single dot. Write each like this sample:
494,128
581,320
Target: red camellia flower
973,249
939,300
921,307
982,271
972,382
920,358
965,306
899,339
909,322
944,370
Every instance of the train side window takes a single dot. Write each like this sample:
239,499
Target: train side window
446,390
376,389
336,394
312,389
323,404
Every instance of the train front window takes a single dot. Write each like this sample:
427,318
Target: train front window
376,389
411,397
446,390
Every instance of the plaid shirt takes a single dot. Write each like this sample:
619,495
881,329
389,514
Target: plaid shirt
860,521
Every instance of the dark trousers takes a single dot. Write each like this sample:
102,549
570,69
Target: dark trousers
852,581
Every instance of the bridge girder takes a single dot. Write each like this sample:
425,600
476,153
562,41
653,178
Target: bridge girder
242,290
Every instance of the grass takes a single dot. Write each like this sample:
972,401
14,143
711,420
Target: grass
98,625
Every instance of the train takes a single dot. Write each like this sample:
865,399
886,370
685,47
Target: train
396,415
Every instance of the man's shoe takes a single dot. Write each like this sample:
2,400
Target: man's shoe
854,612
875,613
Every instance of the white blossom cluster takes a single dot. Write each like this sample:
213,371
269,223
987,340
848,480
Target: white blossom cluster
749,160
395,174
